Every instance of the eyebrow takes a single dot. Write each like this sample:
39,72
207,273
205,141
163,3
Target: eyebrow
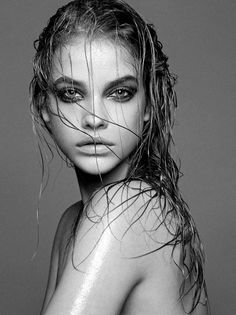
110,85
120,81
68,80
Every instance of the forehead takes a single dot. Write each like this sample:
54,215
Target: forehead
99,59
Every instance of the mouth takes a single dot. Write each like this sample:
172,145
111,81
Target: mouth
95,142
95,146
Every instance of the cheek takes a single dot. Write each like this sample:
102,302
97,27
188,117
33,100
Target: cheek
130,116
131,131
60,131
134,122
64,120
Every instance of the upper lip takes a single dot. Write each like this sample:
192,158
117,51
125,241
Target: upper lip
95,140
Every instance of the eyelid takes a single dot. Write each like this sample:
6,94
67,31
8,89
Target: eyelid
67,86
121,87
61,91
122,98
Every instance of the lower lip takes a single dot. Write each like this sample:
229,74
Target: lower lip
92,149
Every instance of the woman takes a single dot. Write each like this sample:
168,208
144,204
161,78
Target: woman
103,91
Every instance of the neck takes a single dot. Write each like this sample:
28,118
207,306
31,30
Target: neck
88,183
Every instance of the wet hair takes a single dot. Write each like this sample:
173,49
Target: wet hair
152,161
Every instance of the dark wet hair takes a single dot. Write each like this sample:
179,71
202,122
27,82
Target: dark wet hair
152,161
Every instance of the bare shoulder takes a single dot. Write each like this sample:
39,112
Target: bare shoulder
133,213
119,240
70,213
66,223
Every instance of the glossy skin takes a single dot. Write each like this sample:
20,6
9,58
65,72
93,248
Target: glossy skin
106,279
109,281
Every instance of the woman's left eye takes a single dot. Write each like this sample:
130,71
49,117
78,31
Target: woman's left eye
122,94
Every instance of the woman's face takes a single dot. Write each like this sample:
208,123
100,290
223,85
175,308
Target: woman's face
97,111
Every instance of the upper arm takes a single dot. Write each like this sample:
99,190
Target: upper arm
52,276
63,227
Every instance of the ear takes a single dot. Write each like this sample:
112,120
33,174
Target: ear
146,116
46,119
45,115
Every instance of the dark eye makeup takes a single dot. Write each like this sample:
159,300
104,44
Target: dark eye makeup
122,94
69,94
73,95
120,90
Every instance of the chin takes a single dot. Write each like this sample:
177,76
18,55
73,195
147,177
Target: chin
95,168
114,169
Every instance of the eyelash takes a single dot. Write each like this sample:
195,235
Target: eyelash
129,94
63,95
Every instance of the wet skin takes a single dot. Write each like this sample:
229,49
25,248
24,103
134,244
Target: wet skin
108,281
96,116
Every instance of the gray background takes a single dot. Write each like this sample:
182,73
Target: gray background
199,37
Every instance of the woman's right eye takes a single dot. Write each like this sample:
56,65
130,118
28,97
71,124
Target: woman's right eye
69,95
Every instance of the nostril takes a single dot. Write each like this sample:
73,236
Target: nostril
94,122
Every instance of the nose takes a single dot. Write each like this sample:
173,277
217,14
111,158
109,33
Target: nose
93,121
